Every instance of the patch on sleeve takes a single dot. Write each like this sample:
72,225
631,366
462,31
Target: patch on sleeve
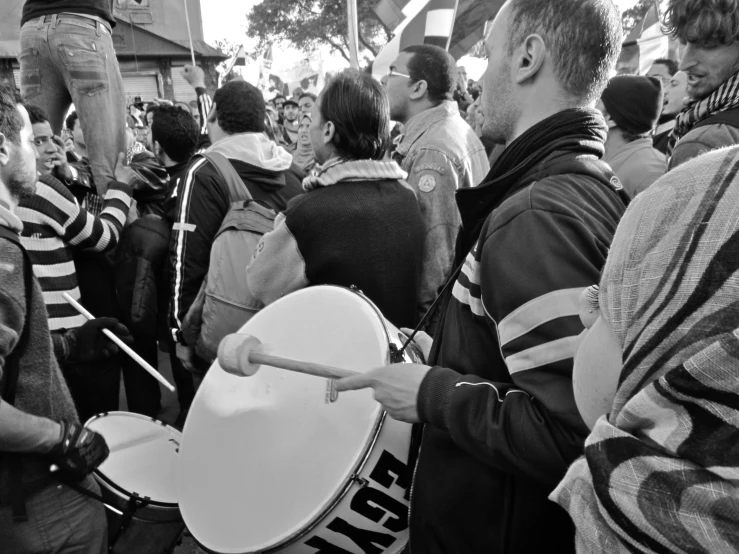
7,267
616,183
184,227
427,183
440,169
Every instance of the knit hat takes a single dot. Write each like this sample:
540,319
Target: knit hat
633,102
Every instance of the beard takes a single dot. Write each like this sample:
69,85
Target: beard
500,114
22,181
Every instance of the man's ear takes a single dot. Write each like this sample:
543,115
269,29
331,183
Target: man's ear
529,58
4,150
419,89
329,132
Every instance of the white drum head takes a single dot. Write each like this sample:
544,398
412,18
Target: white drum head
262,456
143,455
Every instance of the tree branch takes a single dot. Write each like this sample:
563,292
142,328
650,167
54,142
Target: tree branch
366,44
338,48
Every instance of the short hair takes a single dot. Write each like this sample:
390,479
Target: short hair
309,95
705,22
239,108
278,96
671,65
36,115
70,121
11,121
435,66
174,128
359,109
583,38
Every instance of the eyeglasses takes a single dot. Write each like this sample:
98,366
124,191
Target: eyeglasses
391,72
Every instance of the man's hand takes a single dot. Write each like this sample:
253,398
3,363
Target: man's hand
194,75
124,173
421,340
88,343
395,386
59,158
186,355
79,450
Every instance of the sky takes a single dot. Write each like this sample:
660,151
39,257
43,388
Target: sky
227,19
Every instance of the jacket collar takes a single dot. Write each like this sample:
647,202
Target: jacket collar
255,149
420,123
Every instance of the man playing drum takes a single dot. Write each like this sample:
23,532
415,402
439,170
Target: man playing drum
501,422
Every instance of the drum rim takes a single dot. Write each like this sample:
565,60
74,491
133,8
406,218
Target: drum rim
118,490
362,459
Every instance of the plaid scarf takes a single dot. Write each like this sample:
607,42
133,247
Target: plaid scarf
660,472
725,97
336,171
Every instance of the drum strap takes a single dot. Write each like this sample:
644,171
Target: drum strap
396,355
135,503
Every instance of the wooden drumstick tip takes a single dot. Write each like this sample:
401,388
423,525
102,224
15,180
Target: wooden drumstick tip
233,354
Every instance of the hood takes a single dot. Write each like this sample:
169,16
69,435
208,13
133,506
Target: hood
254,149
9,220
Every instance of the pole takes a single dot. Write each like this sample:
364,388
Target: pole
189,33
351,12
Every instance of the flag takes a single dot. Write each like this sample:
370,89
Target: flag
469,25
645,43
391,13
238,59
433,24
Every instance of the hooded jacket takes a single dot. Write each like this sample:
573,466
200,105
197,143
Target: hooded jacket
202,202
501,421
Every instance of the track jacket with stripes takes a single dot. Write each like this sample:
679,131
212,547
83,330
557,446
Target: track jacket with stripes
501,421
203,199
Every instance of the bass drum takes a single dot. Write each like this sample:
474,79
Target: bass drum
276,462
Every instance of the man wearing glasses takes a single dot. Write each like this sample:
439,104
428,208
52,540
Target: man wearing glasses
439,151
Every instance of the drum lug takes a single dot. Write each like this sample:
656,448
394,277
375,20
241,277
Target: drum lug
396,355
361,481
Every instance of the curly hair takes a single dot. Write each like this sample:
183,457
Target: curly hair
11,121
435,66
174,128
36,115
704,22
240,108
359,109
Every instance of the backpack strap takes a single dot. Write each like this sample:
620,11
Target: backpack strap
727,117
11,371
236,187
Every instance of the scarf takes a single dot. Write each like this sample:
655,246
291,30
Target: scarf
660,472
336,171
579,130
725,97
304,157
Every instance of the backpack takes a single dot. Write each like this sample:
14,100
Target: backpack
224,302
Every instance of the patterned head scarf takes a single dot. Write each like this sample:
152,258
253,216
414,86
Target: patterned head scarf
660,473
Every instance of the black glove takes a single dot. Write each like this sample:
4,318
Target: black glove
80,450
88,343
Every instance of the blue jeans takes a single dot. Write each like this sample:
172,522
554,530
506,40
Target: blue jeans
69,59
60,521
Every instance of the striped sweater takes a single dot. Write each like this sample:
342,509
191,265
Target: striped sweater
54,224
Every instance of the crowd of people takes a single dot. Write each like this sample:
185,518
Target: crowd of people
562,239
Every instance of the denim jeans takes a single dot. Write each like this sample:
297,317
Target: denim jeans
60,521
70,59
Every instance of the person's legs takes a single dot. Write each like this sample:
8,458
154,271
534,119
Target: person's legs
60,521
84,52
94,386
183,382
49,93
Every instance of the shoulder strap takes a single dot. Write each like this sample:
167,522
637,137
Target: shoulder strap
727,117
236,187
12,362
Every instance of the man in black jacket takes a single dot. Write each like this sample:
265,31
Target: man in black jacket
236,130
501,421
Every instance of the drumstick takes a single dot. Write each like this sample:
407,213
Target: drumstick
240,355
122,345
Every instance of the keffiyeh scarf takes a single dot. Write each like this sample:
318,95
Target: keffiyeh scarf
725,97
336,171
660,473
